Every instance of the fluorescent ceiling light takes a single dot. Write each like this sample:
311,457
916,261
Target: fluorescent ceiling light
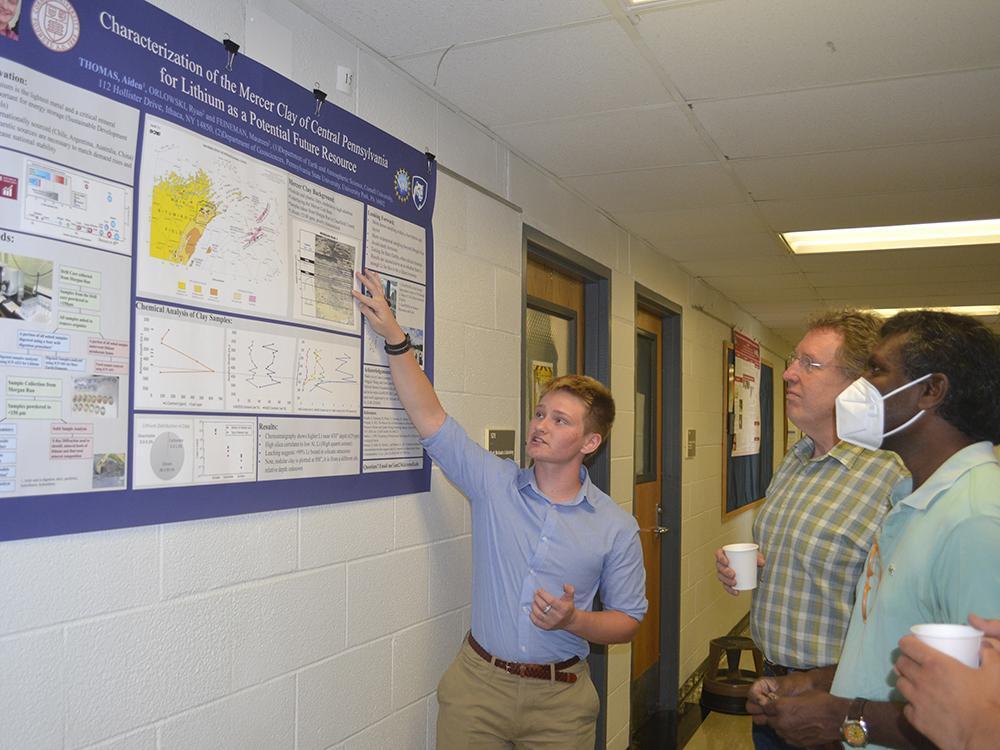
944,234
644,3
979,311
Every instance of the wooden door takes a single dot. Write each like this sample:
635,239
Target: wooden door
648,493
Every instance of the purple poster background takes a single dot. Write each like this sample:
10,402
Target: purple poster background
136,54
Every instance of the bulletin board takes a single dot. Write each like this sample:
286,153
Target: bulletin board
745,478
179,232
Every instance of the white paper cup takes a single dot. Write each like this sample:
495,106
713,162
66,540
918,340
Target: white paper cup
958,641
743,559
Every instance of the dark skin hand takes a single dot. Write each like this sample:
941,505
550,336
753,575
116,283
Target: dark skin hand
798,707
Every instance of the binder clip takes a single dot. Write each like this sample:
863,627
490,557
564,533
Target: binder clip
231,49
430,159
320,98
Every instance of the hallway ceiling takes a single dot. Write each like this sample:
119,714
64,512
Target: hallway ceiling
708,126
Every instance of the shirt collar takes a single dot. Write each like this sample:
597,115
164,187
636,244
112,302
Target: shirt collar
843,452
526,479
946,475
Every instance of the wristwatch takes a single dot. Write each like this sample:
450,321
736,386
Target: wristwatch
854,730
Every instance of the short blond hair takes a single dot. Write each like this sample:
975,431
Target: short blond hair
600,403
860,331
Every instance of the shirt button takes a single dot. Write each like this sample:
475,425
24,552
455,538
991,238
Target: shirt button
524,648
531,572
545,539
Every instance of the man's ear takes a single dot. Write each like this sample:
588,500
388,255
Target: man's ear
590,444
935,390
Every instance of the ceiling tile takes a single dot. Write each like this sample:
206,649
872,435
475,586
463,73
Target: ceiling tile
744,287
733,48
928,166
912,298
908,273
719,248
742,265
785,310
664,189
745,295
839,118
937,258
672,230
881,210
865,288
587,69
610,141
402,27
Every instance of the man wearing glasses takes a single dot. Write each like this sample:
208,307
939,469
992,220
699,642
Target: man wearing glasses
823,508
931,393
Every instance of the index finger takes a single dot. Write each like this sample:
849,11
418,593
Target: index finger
914,648
905,665
989,627
370,280
544,598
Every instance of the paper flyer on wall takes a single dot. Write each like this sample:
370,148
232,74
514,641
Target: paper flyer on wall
746,402
178,244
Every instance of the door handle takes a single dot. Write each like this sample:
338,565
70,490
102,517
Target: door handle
658,530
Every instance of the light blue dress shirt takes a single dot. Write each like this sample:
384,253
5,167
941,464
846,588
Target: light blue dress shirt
522,541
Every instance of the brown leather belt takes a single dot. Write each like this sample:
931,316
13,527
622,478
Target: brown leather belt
779,670
536,671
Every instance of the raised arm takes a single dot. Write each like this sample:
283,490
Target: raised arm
415,391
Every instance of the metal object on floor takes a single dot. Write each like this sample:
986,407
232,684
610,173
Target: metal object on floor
725,689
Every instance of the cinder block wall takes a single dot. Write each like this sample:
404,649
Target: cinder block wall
329,627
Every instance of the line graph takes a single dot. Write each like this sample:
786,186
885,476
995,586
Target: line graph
327,376
260,371
180,364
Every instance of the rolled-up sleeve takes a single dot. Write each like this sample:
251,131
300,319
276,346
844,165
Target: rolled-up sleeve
623,579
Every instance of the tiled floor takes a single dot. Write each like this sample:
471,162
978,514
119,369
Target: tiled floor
722,732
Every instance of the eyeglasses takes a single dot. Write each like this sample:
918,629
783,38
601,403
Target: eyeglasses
807,363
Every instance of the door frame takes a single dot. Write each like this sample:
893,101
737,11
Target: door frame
671,405
597,364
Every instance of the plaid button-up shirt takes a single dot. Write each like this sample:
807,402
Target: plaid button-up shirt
815,530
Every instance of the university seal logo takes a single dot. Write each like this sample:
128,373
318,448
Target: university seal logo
56,24
419,192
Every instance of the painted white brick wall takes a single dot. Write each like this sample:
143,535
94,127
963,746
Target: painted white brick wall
328,627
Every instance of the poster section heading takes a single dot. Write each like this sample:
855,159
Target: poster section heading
178,245
141,56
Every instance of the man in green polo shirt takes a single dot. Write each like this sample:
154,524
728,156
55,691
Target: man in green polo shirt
932,395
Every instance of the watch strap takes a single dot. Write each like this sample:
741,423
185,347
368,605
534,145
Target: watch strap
401,348
856,711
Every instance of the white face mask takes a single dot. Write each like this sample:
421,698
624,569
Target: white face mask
861,413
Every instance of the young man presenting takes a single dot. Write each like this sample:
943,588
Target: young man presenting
932,395
545,541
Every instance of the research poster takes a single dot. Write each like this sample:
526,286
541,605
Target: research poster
179,232
746,403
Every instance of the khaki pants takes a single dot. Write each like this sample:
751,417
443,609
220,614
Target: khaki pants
481,706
